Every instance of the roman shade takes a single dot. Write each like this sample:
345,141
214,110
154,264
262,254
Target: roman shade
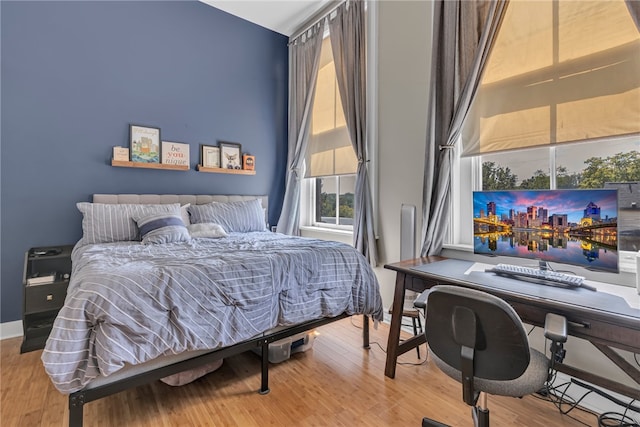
330,151
558,72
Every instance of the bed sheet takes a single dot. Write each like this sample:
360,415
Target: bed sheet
129,303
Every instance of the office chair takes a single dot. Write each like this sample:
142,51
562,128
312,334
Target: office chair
478,339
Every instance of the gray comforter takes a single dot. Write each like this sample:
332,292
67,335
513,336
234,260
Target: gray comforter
130,303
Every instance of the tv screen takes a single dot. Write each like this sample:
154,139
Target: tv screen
577,227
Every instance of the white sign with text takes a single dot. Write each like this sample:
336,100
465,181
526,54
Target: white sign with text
175,153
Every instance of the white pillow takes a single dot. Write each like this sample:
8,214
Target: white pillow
184,213
207,229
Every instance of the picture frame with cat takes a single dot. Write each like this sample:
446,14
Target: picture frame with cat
230,155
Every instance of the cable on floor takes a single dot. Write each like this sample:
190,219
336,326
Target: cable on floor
557,394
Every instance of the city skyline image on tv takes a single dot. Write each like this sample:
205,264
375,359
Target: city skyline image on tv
576,227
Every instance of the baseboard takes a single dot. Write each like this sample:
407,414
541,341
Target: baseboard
386,316
10,329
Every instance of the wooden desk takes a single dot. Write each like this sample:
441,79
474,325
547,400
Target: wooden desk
609,323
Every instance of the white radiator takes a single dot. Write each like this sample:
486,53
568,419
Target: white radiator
407,232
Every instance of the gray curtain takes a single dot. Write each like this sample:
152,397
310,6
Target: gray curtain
464,32
634,10
304,54
347,33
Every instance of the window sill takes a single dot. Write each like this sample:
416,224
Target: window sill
327,230
325,233
458,247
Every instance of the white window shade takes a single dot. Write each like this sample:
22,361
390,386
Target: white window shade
559,72
329,151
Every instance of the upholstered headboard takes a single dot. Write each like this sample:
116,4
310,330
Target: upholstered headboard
195,199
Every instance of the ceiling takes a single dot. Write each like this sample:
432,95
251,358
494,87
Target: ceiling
282,16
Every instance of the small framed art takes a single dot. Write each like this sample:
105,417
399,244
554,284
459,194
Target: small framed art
145,144
210,156
121,154
230,155
175,153
249,162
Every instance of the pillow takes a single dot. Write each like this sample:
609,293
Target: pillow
184,213
206,229
107,223
241,217
162,228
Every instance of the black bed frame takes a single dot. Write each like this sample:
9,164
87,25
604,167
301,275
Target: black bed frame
78,399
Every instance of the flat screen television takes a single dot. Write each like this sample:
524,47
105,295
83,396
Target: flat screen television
577,227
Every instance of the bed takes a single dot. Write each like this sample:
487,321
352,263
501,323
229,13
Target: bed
150,297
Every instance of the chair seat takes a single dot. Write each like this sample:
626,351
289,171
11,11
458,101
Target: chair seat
531,381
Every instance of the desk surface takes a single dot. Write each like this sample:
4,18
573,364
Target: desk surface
613,302
470,273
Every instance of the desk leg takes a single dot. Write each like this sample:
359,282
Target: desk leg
394,329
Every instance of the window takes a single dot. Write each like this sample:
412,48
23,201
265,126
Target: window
334,200
614,164
331,162
586,165
558,107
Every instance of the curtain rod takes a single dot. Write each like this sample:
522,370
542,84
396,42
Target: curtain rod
317,17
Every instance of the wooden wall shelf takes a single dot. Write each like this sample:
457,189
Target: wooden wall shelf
201,168
123,164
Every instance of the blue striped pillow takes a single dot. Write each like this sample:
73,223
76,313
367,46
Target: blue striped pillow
162,228
106,223
240,217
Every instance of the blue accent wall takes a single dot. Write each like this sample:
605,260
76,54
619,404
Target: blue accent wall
76,74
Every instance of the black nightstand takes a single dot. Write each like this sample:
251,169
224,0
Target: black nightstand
46,277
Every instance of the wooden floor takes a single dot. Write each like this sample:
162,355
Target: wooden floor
336,383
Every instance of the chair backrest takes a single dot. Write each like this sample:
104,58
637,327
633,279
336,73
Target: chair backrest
463,321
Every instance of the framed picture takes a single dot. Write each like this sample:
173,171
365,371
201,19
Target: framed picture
121,154
210,156
249,162
145,144
175,153
230,155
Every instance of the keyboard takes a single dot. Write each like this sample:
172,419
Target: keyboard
545,277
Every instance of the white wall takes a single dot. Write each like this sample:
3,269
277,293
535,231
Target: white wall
404,40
